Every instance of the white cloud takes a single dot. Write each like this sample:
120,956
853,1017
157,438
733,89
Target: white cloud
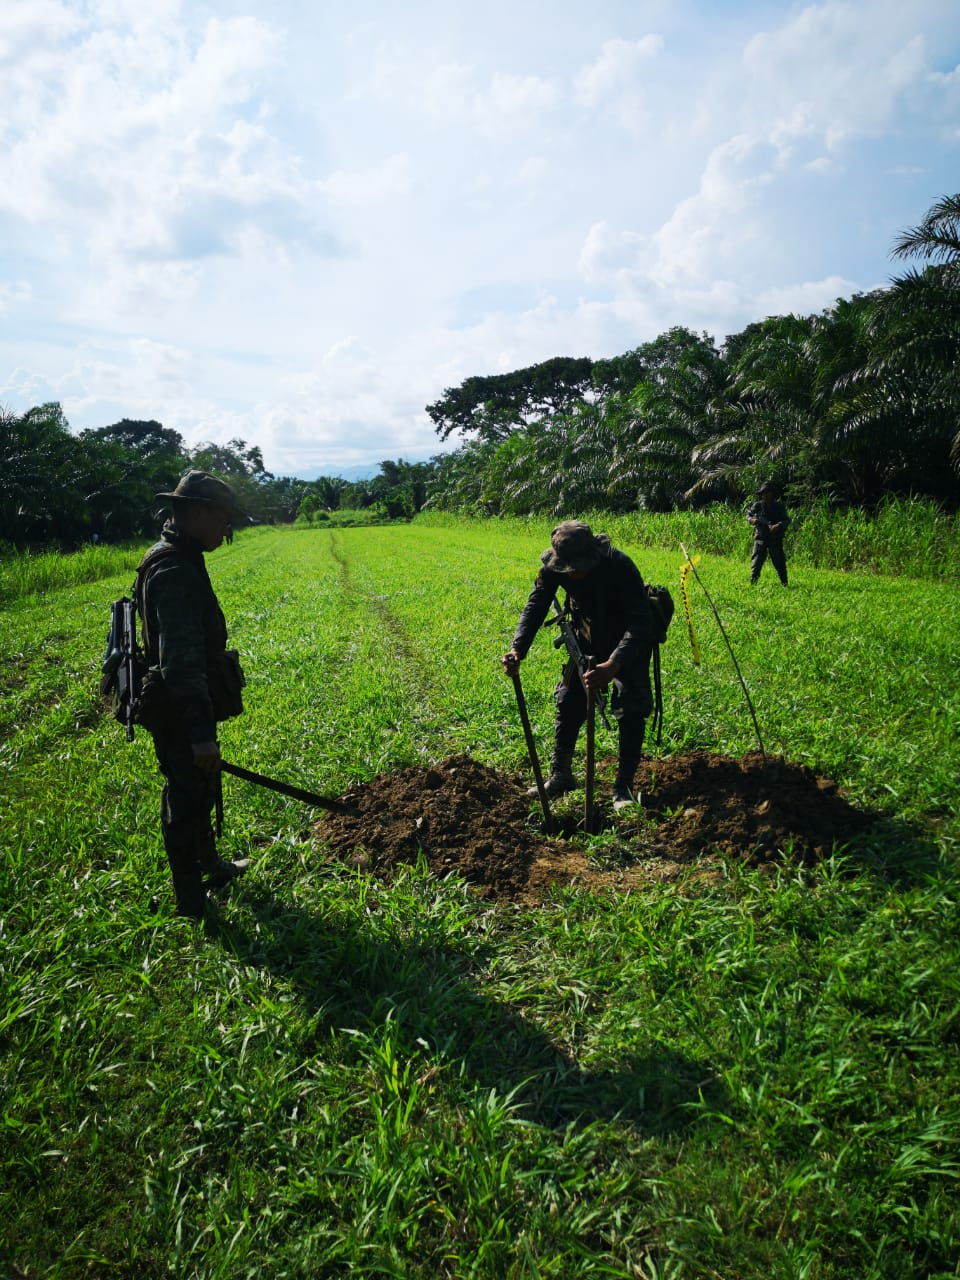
805,298
512,103
836,71
14,293
128,129
390,179
615,69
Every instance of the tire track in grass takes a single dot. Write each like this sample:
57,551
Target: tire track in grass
411,669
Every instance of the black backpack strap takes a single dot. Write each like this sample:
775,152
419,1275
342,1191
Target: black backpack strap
657,719
161,551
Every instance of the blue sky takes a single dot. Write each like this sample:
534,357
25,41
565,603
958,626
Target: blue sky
298,223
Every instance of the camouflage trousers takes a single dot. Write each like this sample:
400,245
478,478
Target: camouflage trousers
630,703
779,561
186,806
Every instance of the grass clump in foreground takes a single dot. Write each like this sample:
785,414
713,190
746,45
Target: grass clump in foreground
754,1077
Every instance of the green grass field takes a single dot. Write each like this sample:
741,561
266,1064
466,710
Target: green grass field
756,1077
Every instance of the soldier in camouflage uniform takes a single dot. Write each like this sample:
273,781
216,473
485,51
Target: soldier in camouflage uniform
769,519
192,682
612,616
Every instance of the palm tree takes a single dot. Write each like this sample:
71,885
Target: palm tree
937,238
674,454
558,466
911,377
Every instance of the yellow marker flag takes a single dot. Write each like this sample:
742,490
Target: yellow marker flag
684,571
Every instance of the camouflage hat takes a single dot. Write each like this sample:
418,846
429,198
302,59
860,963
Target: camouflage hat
767,487
198,486
573,548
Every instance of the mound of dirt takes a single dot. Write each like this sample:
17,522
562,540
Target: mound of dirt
464,817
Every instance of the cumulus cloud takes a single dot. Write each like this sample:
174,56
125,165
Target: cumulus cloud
615,69
835,71
131,139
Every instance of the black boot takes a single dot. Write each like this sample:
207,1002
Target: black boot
561,777
631,750
215,870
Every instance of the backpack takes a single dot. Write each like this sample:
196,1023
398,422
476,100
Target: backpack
662,610
124,666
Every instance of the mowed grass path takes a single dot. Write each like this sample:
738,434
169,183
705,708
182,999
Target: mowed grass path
756,1078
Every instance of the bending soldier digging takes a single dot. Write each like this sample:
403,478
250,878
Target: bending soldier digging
612,617
193,681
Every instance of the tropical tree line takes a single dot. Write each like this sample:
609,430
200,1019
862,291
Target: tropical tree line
851,405
62,488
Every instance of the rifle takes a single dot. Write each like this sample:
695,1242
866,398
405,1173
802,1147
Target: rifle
568,636
122,662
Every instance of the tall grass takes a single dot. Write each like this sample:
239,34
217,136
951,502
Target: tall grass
915,538
26,573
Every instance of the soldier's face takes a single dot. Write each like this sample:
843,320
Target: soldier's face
207,524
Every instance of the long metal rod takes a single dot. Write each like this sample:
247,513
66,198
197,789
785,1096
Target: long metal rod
285,789
532,751
589,770
733,656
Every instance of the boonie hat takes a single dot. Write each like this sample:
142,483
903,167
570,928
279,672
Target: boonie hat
198,486
573,548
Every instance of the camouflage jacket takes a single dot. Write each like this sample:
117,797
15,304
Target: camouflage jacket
184,630
766,514
610,610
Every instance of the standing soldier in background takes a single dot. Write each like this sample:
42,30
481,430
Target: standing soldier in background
193,681
769,519
611,614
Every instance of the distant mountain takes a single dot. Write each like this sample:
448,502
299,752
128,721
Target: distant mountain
365,471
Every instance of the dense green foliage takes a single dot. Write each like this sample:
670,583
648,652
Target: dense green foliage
746,1076
61,489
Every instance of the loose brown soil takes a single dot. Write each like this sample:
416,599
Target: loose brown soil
697,808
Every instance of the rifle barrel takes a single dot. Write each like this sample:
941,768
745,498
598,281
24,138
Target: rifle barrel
568,636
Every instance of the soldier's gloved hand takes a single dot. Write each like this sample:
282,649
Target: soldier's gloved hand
511,662
206,756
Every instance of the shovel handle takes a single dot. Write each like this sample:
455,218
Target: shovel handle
532,750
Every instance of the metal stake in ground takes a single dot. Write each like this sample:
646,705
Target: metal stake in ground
588,772
532,750
733,656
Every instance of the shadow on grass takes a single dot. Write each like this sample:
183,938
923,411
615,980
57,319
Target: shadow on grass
359,977
899,852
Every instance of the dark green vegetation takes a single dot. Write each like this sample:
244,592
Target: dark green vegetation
844,410
61,488
743,1076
